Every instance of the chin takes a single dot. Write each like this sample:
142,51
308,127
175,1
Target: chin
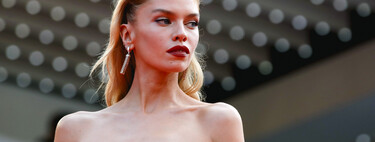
174,68
171,66
177,69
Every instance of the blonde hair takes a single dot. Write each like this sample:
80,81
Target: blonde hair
118,85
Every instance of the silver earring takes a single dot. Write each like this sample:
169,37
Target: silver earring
126,61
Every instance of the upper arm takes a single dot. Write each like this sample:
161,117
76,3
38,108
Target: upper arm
67,128
225,124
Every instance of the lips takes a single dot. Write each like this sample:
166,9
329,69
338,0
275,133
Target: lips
179,51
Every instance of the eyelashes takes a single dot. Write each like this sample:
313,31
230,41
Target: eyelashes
165,22
193,24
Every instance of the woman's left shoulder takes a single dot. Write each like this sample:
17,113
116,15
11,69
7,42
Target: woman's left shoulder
223,122
221,112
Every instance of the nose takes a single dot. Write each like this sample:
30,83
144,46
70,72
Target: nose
180,33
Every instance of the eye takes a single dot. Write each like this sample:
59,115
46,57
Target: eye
163,21
192,24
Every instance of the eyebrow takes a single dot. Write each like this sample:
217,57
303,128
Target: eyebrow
171,13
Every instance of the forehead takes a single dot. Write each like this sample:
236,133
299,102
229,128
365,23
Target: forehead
175,6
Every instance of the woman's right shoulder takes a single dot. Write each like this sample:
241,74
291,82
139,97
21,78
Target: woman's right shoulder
72,126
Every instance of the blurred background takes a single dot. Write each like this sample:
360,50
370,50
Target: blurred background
296,70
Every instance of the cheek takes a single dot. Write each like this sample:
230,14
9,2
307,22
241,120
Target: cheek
148,41
150,46
154,37
194,39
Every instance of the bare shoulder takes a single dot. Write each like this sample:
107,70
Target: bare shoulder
71,127
223,122
220,111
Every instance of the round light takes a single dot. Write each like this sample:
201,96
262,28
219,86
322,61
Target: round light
345,34
363,138
46,85
363,9
282,45
8,3
22,31
36,58
340,5
276,16
13,52
93,48
265,68
237,33
322,28
104,26
221,56
70,43
23,80
59,64
46,37
305,51
69,90
82,20
243,62
206,2
259,39
253,9
90,96
228,83
213,27
201,49
2,24
208,77
317,2
57,13
299,22
3,74
82,70
33,7
229,5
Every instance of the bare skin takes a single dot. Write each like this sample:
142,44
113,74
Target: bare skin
155,108
197,122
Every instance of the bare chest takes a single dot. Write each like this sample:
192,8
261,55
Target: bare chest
167,136
163,129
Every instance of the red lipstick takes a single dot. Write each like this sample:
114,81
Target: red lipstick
179,51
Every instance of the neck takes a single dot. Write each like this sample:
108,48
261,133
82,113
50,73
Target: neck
153,90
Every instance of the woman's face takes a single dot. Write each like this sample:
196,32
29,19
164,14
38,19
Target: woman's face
165,34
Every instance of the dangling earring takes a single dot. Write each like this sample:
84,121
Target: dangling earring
126,61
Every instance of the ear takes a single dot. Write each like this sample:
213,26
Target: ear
127,36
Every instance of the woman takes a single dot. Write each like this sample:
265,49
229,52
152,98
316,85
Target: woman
154,97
